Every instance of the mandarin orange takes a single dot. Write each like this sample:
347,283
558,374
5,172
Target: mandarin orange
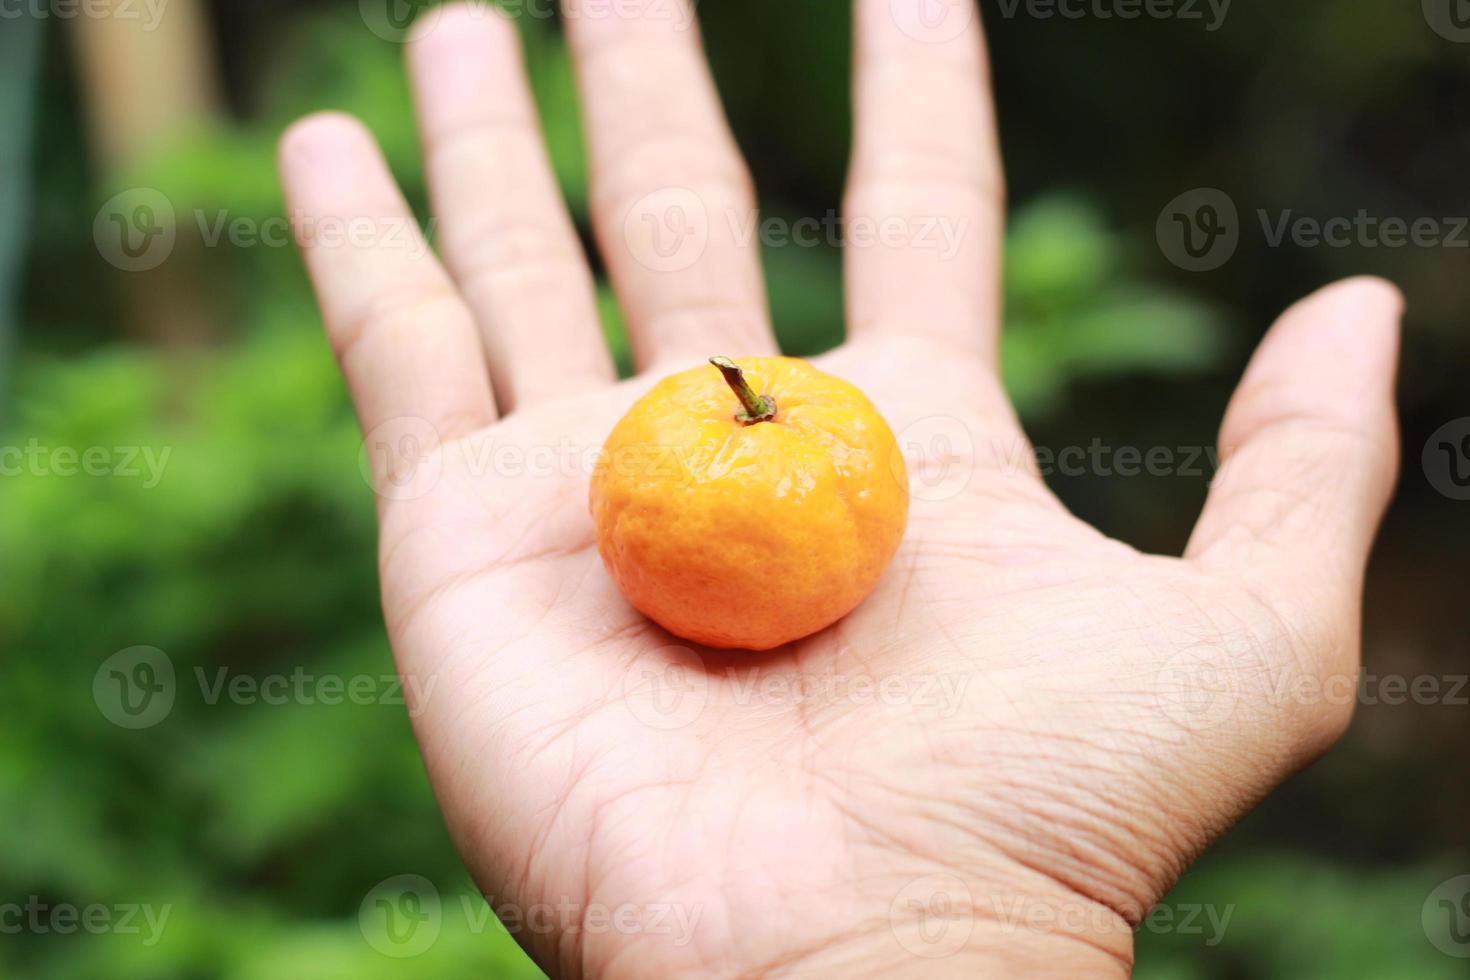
749,505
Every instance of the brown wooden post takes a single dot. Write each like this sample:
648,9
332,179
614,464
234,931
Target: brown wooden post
149,76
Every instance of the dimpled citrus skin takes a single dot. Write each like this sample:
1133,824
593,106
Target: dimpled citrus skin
749,536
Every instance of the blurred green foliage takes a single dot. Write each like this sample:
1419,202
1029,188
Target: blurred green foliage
262,827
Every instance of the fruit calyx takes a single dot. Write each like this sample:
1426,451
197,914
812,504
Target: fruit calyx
755,408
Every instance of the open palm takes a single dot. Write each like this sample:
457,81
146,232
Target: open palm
1011,749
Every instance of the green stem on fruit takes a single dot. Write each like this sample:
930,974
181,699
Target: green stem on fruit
757,408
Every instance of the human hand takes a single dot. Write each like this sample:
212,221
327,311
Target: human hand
1035,759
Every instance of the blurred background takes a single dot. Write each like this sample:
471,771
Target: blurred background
179,465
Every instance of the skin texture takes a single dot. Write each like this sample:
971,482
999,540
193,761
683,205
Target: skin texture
749,536
1109,713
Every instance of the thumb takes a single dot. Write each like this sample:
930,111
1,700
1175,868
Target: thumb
1309,446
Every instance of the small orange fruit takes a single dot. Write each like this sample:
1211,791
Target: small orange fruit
737,519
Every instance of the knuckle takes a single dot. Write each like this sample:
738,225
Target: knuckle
502,250
657,163
390,311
